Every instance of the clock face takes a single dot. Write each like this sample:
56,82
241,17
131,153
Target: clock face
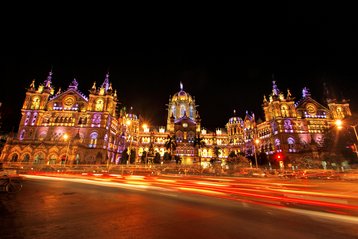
185,125
69,101
311,109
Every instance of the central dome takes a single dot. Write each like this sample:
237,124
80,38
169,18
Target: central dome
182,95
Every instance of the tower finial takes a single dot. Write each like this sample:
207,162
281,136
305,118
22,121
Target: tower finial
234,112
275,90
48,81
32,86
305,92
74,84
105,83
181,85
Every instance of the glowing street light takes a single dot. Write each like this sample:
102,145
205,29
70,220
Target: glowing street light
145,128
67,137
355,132
339,124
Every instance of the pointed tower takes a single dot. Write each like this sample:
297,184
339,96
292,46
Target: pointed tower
104,99
34,107
278,106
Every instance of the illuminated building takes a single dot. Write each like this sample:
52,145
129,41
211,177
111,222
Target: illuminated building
56,125
98,134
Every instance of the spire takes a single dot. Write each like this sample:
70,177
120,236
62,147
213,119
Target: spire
234,112
181,85
265,99
288,94
48,81
105,83
59,91
32,86
275,90
197,115
94,86
74,84
115,93
305,92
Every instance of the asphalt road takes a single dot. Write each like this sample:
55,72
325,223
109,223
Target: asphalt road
64,209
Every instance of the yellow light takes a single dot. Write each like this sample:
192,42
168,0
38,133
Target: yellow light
128,122
339,124
65,136
257,141
144,126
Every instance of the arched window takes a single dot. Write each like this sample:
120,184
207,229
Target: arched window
93,142
22,135
173,111
291,144
99,105
27,118
26,158
287,124
278,145
179,136
34,117
284,111
182,109
14,157
96,119
35,104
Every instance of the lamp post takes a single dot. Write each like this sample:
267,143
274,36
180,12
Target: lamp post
66,137
355,132
257,141
339,124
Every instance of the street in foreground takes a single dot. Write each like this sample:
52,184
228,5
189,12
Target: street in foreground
71,209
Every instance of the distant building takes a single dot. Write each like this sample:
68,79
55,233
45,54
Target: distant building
70,127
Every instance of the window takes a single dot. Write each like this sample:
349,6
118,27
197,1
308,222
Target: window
93,142
99,105
291,144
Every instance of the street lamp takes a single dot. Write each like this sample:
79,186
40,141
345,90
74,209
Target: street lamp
67,137
355,132
257,141
339,124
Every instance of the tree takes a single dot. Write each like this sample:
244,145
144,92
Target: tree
198,144
132,156
124,157
143,158
166,157
170,144
157,158
217,151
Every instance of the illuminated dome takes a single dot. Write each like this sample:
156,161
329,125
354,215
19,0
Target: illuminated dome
235,120
182,96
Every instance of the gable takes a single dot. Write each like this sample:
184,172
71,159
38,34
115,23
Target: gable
70,99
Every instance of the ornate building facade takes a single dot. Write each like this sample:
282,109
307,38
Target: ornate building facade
66,127
70,127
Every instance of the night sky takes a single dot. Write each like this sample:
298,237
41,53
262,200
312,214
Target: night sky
226,63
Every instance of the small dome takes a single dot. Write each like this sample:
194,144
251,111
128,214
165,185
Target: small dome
235,120
132,116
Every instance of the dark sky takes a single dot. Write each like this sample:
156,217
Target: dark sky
226,62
